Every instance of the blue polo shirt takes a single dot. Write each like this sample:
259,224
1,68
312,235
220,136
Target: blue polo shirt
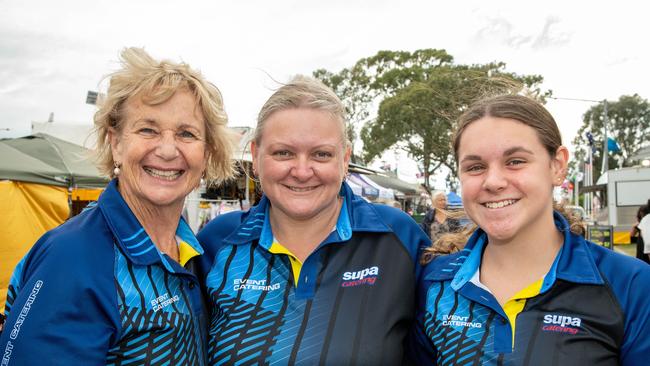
352,302
591,308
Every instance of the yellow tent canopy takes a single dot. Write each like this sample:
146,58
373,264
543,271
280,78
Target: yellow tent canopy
40,176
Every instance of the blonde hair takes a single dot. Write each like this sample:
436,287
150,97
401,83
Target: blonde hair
303,92
155,82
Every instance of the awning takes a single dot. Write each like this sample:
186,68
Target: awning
400,187
367,190
454,200
356,189
382,192
594,188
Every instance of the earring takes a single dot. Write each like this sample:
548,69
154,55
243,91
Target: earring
116,170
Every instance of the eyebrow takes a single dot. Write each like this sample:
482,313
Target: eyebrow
510,151
517,149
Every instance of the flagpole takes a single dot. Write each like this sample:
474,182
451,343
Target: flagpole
606,141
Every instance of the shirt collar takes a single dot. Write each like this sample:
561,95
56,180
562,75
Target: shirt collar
129,233
342,229
362,218
573,262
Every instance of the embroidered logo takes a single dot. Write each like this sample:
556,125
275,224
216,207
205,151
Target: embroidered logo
459,321
163,301
257,285
561,324
366,276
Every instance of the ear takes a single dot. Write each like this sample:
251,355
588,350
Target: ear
114,140
254,157
559,165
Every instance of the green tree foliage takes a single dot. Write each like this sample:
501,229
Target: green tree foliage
420,95
628,125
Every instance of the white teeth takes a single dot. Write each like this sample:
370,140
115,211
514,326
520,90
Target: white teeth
298,189
499,204
164,174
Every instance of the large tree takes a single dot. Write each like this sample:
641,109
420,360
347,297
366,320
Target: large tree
420,95
628,124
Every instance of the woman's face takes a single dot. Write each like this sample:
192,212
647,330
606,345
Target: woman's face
161,149
440,201
507,177
301,161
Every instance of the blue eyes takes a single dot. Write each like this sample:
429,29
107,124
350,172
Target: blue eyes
187,135
318,155
147,131
181,135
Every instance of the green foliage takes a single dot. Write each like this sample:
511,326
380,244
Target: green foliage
629,125
420,96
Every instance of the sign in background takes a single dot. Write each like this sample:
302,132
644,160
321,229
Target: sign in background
601,235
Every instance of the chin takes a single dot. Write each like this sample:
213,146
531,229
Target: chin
165,199
499,231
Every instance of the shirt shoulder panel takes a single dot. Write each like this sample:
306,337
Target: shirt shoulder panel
405,228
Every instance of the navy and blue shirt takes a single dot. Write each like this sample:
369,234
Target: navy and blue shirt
96,291
591,308
353,302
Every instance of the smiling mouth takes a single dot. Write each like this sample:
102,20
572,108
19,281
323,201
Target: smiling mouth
164,174
499,204
301,189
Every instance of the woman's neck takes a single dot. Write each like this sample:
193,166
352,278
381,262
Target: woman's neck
160,223
302,237
509,266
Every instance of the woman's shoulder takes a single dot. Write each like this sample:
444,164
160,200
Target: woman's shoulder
221,227
391,214
81,245
79,235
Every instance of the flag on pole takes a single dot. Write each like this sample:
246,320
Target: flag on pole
612,145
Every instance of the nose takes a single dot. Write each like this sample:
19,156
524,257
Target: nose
302,169
495,180
167,148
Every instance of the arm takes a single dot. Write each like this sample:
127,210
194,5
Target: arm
63,312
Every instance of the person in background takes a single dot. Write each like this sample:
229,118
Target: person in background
642,231
115,284
525,289
313,274
635,234
437,220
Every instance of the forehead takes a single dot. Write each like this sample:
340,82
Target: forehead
494,135
302,126
180,108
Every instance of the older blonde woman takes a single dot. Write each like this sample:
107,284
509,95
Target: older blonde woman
437,220
114,285
313,274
